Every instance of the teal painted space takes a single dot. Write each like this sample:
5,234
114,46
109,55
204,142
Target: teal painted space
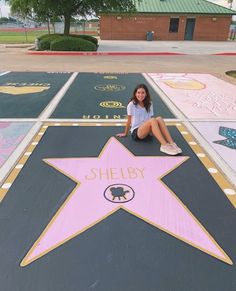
28,105
90,91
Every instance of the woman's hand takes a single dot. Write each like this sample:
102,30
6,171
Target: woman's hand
127,128
121,134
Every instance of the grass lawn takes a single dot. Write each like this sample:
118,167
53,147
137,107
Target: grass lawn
20,36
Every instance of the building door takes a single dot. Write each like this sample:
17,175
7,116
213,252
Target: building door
189,29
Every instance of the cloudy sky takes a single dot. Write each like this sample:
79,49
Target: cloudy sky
5,10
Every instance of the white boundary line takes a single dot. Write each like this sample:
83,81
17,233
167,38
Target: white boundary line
99,120
18,119
107,120
61,120
4,73
52,105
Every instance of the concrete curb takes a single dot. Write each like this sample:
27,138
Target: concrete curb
73,53
63,53
224,54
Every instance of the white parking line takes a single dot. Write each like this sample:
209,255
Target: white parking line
4,73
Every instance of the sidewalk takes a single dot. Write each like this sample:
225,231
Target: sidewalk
182,47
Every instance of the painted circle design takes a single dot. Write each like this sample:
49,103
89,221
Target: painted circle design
119,193
109,87
110,77
111,104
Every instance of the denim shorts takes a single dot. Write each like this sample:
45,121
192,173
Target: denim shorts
135,137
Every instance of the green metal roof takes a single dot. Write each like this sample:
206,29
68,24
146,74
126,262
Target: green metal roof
181,6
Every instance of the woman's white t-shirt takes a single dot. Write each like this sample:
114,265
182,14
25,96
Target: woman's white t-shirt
138,114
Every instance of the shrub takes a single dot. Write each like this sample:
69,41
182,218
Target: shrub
43,36
68,43
87,37
45,41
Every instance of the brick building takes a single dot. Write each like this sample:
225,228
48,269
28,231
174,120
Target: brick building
169,20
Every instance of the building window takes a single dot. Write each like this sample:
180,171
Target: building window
174,25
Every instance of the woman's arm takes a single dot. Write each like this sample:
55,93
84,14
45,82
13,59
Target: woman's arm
127,128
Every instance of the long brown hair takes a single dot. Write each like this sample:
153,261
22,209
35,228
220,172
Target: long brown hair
147,101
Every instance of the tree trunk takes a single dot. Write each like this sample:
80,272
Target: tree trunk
53,26
67,17
48,24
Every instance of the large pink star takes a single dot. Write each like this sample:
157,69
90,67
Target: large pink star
118,179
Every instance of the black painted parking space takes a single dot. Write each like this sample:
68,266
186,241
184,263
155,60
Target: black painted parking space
26,94
104,96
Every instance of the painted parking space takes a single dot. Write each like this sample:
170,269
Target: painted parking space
199,95
222,138
75,205
11,134
104,96
26,94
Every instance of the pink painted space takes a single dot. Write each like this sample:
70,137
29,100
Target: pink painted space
199,95
153,201
11,134
210,131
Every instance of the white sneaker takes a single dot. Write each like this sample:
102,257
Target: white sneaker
178,149
168,149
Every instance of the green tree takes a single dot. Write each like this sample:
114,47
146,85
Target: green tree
70,8
36,10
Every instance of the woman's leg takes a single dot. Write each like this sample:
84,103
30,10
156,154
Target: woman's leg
152,126
164,130
157,127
